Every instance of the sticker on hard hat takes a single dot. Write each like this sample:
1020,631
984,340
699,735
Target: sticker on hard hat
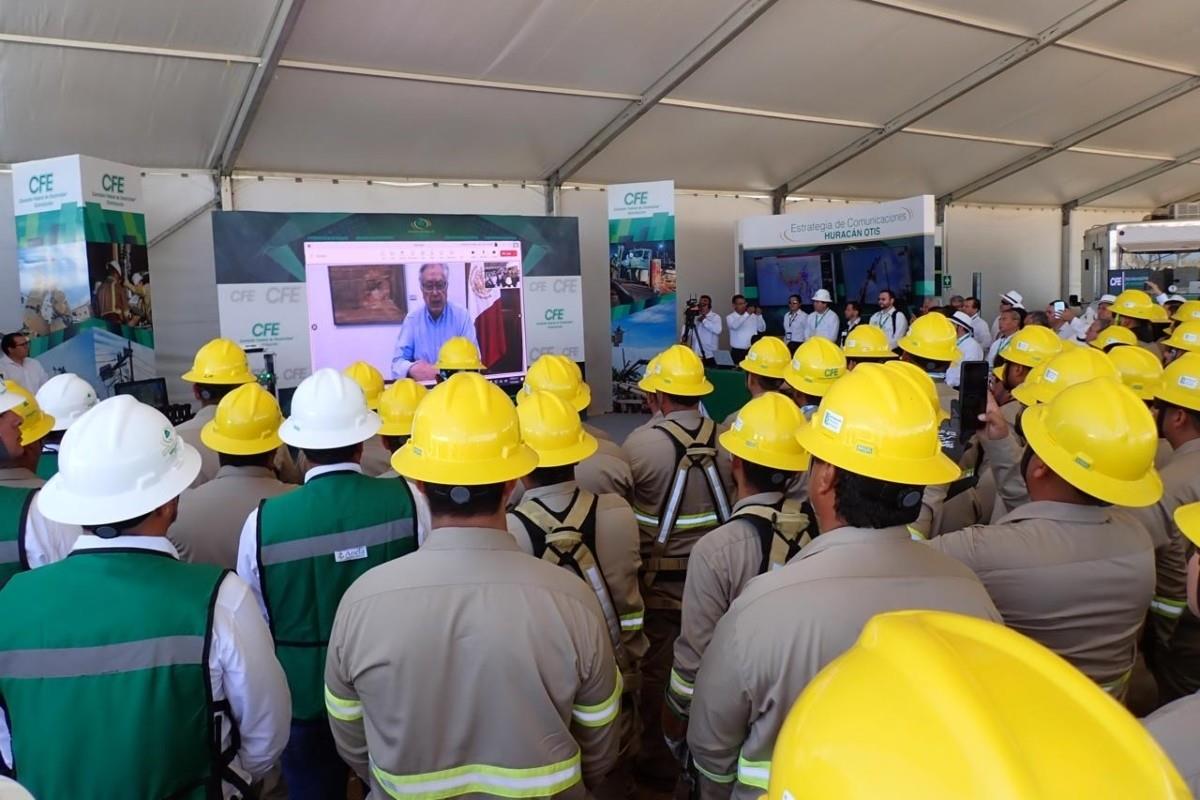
752,356
1022,345
1190,337
865,449
832,421
1050,376
1083,462
1188,382
737,424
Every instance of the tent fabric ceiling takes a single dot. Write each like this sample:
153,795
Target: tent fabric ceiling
511,90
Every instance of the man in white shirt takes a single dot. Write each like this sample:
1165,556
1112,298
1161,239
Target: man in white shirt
1010,323
1010,299
702,337
889,319
822,322
16,365
967,345
744,324
979,326
795,324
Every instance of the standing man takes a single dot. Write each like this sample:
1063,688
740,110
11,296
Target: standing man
889,319
397,405
853,314
930,344
469,668
1009,300
744,324
65,397
813,369
17,365
795,324
1008,323
874,446
822,322
427,328
149,676
702,336
764,366
376,459
300,551
979,327
968,346
867,343
956,303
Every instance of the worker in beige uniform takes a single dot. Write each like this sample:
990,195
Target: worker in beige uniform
867,343
1185,338
376,458
458,354
1010,718
469,668
814,367
874,444
1066,569
1176,726
245,436
764,366
219,367
1136,310
595,537
681,491
764,533
1027,348
605,471
397,405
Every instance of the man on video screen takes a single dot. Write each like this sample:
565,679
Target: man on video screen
426,329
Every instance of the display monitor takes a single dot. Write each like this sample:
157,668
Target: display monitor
393,304
868,270
780,277
151,391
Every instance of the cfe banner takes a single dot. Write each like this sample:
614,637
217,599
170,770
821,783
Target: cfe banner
641,263
83,270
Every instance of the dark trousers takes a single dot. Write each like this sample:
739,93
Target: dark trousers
311,764
709,362
738,354
656,767
792,347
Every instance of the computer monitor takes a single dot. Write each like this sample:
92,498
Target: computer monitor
151,391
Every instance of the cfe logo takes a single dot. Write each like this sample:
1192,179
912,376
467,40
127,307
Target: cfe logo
556,314
264,329
637,198
39,184
421,225
113,183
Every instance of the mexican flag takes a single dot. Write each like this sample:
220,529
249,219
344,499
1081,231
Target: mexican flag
488,314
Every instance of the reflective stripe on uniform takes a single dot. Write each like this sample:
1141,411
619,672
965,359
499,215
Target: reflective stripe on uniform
682,522
1167,607
754,773
10,553
330,543
339,708
680,686
1115,686
713,776
601,714
482,779
75,662
915,534
633,621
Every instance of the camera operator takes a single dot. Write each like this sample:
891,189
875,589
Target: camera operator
701,327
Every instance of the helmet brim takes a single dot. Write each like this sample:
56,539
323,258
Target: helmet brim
576,452
219,443
765,458
410,463
1187,518
930,471
329,439
192,376
38,431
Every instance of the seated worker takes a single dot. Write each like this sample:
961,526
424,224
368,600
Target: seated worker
426,329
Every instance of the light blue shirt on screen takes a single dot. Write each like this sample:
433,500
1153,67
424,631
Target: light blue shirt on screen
421,336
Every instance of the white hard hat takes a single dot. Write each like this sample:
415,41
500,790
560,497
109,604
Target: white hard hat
8,400
120,460
328,410
11,790
65,397
822,295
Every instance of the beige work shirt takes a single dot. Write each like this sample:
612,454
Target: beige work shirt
602,435
211,516
469,666
1176,728
420,507
788,624
606,471
617,555
1078,579
210,463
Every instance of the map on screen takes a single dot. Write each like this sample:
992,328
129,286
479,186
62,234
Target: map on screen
780,277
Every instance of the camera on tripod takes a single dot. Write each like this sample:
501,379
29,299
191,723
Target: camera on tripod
691,309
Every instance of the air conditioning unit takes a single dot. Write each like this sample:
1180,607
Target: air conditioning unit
1178,211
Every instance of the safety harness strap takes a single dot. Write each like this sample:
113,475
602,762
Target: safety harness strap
783,528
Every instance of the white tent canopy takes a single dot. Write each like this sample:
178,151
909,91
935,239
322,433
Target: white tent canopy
1089,103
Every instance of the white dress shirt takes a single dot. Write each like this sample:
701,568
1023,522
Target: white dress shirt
824,324
971,351
242,668
30,374
743,327
893,325
704,340
795,326
981,332
46,541
997,345
247,557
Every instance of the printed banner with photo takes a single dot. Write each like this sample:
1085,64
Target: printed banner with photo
325,290
83,271
641,263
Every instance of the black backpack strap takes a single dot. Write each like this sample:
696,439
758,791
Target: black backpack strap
537,536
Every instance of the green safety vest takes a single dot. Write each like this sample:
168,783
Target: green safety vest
47,466
14,509
312,544
104,677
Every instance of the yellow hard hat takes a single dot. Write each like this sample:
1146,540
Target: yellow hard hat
247,423
1189,311
879,423
932,337
465,433
1099,437
867,342
397,404
554,374
815,366
1032,346
1137,304
1012,719
645,383
765,433
552,428
367,377
1072,366
1113,334
1140,369
1186,337
220,362
926,384
680,372
1188,519
768,357
459,353
1180,382
35,423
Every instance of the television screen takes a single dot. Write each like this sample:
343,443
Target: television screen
780,277
393,304
867,270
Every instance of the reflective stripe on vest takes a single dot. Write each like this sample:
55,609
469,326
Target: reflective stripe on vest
332,543
339,708
75,662
680,686
1163,606
633,622
682,522
14,509
482,779
1115,686
715,777
754,773
601,714
915,534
